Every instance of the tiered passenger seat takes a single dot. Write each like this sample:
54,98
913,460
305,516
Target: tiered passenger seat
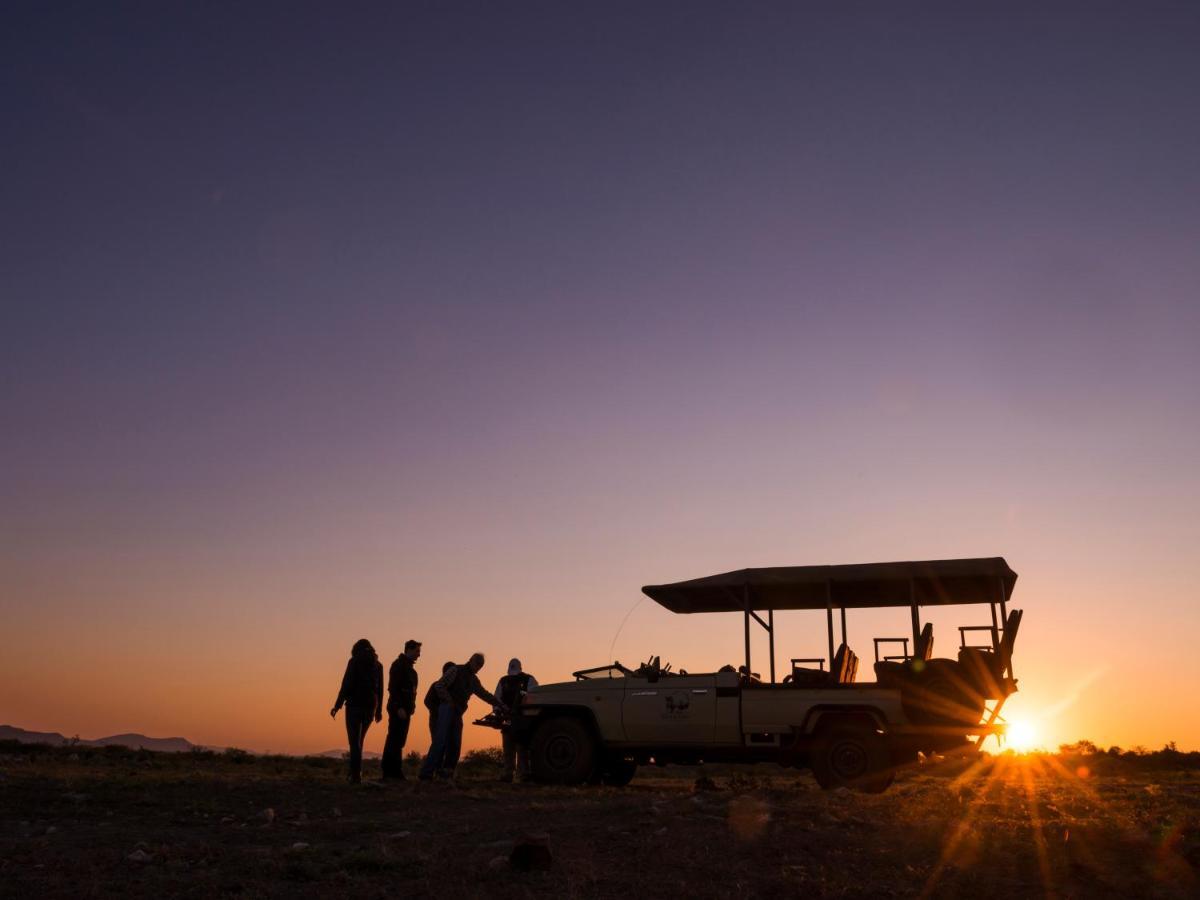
843,671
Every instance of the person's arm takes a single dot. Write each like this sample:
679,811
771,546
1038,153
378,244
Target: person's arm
393,688
410,704
378,691
345,689
532,683
479,691
499,684
442,685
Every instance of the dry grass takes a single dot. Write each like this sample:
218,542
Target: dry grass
1001,827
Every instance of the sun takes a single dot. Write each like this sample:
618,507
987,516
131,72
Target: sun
1022,735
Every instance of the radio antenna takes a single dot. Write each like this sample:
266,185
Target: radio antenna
622,625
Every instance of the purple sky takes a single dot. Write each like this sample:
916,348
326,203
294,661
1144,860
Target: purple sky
409,319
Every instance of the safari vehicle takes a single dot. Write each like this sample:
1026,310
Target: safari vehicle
611,719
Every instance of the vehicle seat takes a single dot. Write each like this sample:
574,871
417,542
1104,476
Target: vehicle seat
843,671
985,668
852,675
923,649
890,673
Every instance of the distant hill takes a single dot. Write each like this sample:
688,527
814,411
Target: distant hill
133,741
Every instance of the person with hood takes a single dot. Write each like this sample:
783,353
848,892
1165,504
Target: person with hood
402,703
362,695
454,690
510,690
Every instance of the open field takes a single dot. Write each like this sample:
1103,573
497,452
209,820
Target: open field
201,825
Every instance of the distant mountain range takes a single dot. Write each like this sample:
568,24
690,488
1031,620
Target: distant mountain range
134,741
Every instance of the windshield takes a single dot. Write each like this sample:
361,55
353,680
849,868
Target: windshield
612,670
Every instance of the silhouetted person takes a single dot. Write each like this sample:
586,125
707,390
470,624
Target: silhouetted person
402,703
510,689
362,694
454,690
432,702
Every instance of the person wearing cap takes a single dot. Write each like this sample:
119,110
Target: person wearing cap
454,690
510,689
402,703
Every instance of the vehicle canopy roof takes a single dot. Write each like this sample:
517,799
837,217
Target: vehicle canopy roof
939,582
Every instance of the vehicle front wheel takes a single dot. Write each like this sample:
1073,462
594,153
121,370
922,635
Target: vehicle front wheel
852,756
562,752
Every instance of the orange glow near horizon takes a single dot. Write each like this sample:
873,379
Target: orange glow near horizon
1022,736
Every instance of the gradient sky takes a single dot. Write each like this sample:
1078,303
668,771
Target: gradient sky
463,321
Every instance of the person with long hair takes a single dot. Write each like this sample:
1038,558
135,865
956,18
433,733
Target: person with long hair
362,695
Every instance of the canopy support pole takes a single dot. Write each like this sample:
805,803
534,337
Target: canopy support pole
844,641
771,639
746,604
916,615
829,619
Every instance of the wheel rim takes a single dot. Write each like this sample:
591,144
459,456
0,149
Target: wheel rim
561,752
848,759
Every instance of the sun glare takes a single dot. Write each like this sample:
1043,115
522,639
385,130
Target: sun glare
1022,736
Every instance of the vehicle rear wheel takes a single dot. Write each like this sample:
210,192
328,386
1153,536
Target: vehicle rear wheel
618,772
562,752
853,756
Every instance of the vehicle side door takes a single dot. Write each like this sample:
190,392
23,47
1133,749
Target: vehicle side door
674,709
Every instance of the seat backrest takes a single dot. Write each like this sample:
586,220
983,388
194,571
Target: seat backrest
851,667
840,660
923,649
1011,626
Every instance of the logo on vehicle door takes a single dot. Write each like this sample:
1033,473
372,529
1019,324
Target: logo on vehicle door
677,705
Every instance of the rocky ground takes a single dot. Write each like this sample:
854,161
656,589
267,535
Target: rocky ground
113,822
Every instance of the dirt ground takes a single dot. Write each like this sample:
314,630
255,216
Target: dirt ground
136,824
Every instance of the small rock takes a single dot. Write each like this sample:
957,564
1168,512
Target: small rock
704,783
268,815
400,835
50,829
531,852
139,856
300,845
337,813
225,820
497,862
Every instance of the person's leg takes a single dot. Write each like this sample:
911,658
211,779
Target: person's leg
508,743
401,740
523,759
362,738
441,738
354,734
393,748
453,739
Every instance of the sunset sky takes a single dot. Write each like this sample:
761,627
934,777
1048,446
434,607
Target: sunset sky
464,321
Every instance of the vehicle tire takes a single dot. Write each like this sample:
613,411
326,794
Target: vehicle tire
853,756
618,772
563,752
